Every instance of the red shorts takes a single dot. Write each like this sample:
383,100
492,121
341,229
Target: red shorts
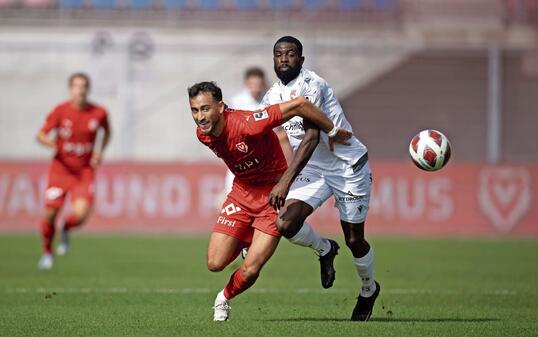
247,208
61,180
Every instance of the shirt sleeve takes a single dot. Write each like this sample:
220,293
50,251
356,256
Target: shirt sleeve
104,122
314,93
265,120
51,122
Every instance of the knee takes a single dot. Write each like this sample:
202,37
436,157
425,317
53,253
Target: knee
50,215
288,228
355,241
250,272
214,265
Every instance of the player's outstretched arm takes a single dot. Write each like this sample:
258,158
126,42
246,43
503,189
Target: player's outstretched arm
279,192
45,140
97,155
300,106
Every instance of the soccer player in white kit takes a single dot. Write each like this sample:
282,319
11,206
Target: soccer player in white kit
339,170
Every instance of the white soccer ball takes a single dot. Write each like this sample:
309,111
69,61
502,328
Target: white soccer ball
430,150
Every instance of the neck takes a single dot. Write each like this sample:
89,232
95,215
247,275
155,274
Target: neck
79,105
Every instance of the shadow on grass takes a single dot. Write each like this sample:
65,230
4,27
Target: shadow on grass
388,320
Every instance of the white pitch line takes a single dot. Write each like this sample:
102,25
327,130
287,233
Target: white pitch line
394,291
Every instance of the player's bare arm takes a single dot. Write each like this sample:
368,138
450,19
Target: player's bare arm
300,106
285,144
277,198
44,139
97,155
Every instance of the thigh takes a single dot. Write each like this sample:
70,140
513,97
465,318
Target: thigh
295,211
83,186
81,207
235,220
310,187
223,249
58,184
262,248
352,193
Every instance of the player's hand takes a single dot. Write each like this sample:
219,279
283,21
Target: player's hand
278,195
96,158
341,137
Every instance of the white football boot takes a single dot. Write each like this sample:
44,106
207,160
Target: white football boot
45,262
221,310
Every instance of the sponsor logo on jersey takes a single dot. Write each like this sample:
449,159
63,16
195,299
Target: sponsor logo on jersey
247,164
261,115
64,131
292,126
93,124
302,178
293,94
242,147
230,209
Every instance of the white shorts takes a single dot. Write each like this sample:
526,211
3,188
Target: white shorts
351,190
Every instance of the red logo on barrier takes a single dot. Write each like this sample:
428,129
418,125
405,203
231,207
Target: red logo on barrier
505,195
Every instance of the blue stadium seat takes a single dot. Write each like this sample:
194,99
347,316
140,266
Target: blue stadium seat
385,4
175,4
280,4
70,3
139,4
314,4
348,5
247,4
104,4
208,4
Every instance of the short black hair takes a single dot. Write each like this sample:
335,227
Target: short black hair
82,75
201,87
254,72
292,40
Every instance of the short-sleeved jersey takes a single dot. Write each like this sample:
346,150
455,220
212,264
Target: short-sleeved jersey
76,130
248,144
308,84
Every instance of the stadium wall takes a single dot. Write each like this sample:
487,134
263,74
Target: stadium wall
460,200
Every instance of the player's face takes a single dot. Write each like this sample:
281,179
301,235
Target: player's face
207,112
256,86
287,61
78,90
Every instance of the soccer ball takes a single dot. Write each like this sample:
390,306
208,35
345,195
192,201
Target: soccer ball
430,150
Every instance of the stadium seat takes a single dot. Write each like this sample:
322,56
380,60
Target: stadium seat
247,4
314,4
209,4
385,4
175,4
70,3
140,4
348,5
280,4
104,4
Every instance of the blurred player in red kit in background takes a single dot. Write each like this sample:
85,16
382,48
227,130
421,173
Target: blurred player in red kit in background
246,142
76,123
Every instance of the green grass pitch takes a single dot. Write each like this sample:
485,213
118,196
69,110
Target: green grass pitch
159,286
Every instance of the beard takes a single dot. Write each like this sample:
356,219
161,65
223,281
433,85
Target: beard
288,75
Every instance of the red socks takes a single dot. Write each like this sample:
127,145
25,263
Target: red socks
47,235
237,284
70,223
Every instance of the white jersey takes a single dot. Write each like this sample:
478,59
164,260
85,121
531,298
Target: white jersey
308,84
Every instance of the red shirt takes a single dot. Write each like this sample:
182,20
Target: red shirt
248,145
76,130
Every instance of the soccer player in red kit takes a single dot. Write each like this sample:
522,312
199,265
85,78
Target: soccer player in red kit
76,123
246,142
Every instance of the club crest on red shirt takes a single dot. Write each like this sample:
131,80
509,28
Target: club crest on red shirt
242,147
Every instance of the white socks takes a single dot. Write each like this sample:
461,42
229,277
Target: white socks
365,268
307,237
221,297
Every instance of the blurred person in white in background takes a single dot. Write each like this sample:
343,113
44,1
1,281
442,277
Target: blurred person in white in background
250,98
